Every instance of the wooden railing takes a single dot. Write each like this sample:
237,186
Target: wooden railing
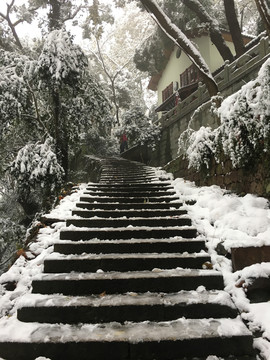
232,73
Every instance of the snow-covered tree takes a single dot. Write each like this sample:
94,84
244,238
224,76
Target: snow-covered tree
54,96
36,166
74,97
111,51
16,13
138,128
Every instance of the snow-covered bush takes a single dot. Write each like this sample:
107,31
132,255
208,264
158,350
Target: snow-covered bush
244,131
36,164
199,146
245,119
138,128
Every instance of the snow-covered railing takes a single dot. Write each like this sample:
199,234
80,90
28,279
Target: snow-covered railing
233,75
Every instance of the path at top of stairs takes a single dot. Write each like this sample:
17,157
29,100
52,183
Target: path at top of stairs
126,280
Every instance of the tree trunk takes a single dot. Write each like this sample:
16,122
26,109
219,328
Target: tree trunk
234,27
14,33
115,101
180,39
264,12
54,15
215,33
61,142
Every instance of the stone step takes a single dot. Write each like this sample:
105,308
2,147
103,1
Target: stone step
131,179
131,193
77,234
132,246
128,175
59,263
116,223
129,188
122,182
126,167
127,307
128,172
151,185
128,206
128,213
146,341
118,283
120,199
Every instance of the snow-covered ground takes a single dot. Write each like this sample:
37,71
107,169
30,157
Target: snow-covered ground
219,216
223,217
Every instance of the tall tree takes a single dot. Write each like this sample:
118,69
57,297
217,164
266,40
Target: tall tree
234,27
264,11
181,40
214,30
60,11
23,14
112,47
63,69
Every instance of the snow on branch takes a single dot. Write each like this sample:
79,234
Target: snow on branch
181,40
37,164
244,131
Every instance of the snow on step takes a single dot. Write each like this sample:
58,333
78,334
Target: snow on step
117,199
129,206
146,340
155,274
75,233
138,222
131,193
169,299
180,329
170,245
121,214
127,186
132,306
121,282
58,256
123,262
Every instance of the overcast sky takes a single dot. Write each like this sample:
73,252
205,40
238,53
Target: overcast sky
32,30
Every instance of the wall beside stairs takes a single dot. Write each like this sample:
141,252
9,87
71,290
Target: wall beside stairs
254,179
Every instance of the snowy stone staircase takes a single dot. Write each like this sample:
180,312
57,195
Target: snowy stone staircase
126,281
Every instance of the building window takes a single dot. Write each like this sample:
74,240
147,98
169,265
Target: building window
189,76
167,92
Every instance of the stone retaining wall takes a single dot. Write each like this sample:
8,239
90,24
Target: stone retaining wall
254,179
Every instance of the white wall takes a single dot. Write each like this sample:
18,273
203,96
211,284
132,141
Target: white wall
177,66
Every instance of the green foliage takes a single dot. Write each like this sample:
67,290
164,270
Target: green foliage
98,15
138,128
